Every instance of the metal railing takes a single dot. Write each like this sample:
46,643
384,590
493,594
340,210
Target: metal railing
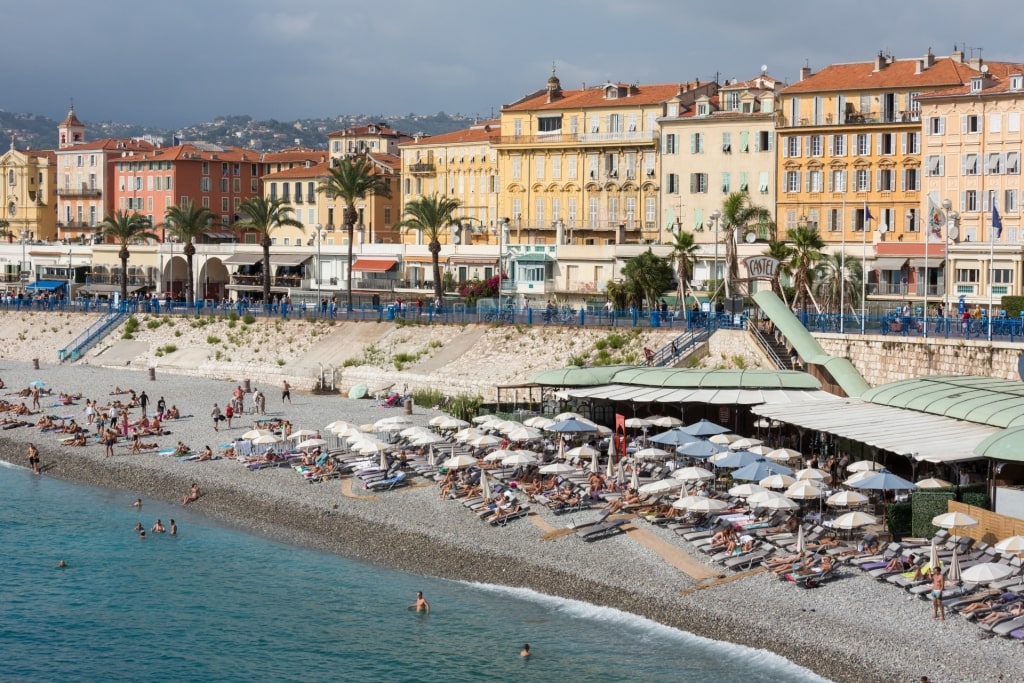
767,347
91,335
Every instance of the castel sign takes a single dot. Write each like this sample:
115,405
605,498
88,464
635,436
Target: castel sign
761,267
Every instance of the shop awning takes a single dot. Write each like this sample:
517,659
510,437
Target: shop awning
894,263
374,265
219,235
243,259
932,263
911,433
289,259
473,260
109,289
714,396
46,285
533,257
424,259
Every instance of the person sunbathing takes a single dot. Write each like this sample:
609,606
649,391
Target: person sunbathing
207,454
228,452
192,496
21,410
118,391
142,424
80,439
181,449
138,445
896,564
46,422
994,618
778,562
174,413
155,428
447,483
796,567
71,428
983,605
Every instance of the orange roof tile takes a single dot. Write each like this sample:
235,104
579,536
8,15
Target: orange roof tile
191,152
477,133
363,131
47,154
304,172
594,97
111,144
997,83
293,154
900,73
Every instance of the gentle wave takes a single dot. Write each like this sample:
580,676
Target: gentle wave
644,626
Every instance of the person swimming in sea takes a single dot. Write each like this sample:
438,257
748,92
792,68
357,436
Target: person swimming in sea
137,503
525,652
421,603
61,564
139,527
174,528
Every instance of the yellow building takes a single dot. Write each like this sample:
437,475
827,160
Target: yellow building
849,150
462,165
28,194
972,158
373,138
581,166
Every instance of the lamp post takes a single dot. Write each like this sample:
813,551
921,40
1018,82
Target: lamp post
927,239
71,276
24,241
715,215
319,263
502,230
951,218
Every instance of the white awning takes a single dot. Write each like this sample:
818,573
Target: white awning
289,259
923,436
728,396
244,259
889,263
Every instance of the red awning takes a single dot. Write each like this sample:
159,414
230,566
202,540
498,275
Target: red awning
374,265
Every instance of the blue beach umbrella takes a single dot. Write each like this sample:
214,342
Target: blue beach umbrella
739,459
705,428
758,470
699,449
571,425
37,383
885,481
673,437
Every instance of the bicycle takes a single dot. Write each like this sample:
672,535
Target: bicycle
493,315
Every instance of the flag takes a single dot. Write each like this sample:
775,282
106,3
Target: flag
997,222
867,215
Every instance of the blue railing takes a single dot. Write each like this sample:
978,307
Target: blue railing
896,324
681,345
91,335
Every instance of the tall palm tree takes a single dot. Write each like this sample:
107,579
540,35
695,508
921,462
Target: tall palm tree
738,214
264,216
836,282
351,180
805,244
429,216
187,221
781,252
125,228
684,255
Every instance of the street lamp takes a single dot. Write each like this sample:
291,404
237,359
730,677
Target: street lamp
70,275
320,234
715,215
951,219
927,239
24,241
502,236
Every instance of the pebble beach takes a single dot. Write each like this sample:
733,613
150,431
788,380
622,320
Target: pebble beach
852,629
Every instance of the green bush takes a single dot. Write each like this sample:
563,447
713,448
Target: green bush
212,340
900,518
130,326
427,397
1013,305
249,319
153,324
928,505
978,500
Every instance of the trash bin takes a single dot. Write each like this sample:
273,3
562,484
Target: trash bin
152,374
390,315
655,318
247,386
407,406
35,363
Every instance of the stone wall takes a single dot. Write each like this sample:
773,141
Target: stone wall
732,349
882,359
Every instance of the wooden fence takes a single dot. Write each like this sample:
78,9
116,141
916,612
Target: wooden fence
991,528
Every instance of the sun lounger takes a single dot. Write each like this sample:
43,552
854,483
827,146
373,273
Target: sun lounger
387,484
1006,627
601,518
601,530
506,517
811,579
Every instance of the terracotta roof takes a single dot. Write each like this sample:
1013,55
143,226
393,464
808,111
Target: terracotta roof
594,97
47,154
756,83
384,159
301,172
111,144
363,131
71,119
191,152
997,82
477,133
900,73
294,154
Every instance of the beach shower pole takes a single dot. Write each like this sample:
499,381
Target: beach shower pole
927,239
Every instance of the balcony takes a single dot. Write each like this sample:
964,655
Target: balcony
422,167
298,199
83,191
577,138
377,284
855,118
527,286
76,225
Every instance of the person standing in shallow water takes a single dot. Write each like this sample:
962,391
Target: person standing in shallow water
33,458
421,604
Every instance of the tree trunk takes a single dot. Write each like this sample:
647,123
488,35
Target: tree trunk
435,250
266,270
190,251
350,219
123,255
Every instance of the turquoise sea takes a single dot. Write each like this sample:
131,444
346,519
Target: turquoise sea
215,604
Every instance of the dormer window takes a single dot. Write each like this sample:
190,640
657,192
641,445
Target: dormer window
673,109
977,84
1016,82
703,109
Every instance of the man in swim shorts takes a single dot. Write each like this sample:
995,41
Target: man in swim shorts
938,585
33,458
421,604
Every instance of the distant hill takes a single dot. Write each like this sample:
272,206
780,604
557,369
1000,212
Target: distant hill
40,132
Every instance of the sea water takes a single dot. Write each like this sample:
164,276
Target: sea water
215,604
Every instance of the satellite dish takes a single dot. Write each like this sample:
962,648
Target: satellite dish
764,68
953,232
882,229
984,68
750,238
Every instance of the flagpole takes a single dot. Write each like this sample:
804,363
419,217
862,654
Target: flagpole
994,233
863,280
842,275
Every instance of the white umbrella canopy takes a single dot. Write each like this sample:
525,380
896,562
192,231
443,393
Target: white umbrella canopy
776,503
986,572
500,454
724,439
864,466
557,468
426,439
846,499
783,454
371,447
745,444
256,433
801,541
414,431
693,474
857,477
267,439
480,419
933,483
777,481
485,486
746,490
538,422
853,520
665,421
568,416
437,419
686,501
310,443
804,490
949,520
584,451
660,486
708,505
337,425
762,496
953,573
467,434
652,454
761,450
1011,544
812,474
522,433
394,423
638,423
303,433
452,423
505,426
485,440
459,461
519,458
634,479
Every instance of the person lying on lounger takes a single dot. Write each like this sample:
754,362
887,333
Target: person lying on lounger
995,617
983,604
798,567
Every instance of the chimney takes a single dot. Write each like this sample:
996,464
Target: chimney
879,62
805,73
917,66
957,55
976,63
929,59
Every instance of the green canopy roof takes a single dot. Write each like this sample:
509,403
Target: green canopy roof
1007,444
532,256
676,378
575,376
984,400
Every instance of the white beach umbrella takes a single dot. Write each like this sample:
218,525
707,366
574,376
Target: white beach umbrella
665,421
352,431
505,426
864,466
804,490
638,423
601,430
538,422
1011,544
485,486
858,477
585,451
481,419
500,454
437,420
484,441
468,433
414,431
336,426
458,462
746,490
846,499
431,458
724,439
310,443
568,416
801,541
783,454
693,474
949,520
812,474
660,486
708,505
393,423
371,447
266,439
523,433
853,520
609,470
652,454
776,503
256,433
762,496
986,572
518,458
595,463
426,439
744,444
686,501
933,483
303,433
760,449
777,481
557,468
452,423
634,479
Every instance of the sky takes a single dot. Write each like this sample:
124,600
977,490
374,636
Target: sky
170,64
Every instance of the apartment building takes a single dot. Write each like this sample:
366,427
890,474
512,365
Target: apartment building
373,138
28,194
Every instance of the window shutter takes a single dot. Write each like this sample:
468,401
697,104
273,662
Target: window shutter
963,201
744,140
843,150
853,220
903,143
831,182
963,123
693,143
903,181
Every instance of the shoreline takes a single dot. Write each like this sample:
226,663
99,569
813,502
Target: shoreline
882,636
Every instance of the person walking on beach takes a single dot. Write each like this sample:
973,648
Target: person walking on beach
938,585
286,392
161,407
229,413
109,437
143,402
261,402
35,398
421,604
217,417
33,458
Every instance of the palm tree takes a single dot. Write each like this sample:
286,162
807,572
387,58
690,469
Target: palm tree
738,214
264,216
781,252
351,180
684,255
125,228
4,232
187,221
837,282
806,245
429,216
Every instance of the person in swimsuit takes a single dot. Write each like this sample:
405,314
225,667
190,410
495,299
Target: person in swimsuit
938,585
174,528
33,458
61,564
421,604
286,392
525,652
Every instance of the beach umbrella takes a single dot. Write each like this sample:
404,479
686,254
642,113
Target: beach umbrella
384,465
426,439
884,480
568,416
953,573
672,437
724,439
652,454
368,428
638,423
523,433
611,449
504,426
708,505
665,421
265,439
864,466
740,459
256,433
557,468
803,490
693,474
853,520
744,444
698,449
538,422
452,423
634,479
777,481
659,486
758,470
585,451
933,483
457,462
846,499
783,454
467,434
857,476
303,433
762,496
480,419
686,501
437,420
801,541
704,428
485,440
485,486
986,572
933,556
776,503
602,430
949,520
371,447
761,450
1011,544
414,431
595,464
500,454
37,383
519,458
812,474
350,431
310,443
336,426
571,425
431,458
746,490
392,421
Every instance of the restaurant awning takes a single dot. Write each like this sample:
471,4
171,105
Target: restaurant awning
894,263
713,396
374,265
243,259
472,260
289,259
109,289
424,259
932,263
219,235
46,285
911,433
